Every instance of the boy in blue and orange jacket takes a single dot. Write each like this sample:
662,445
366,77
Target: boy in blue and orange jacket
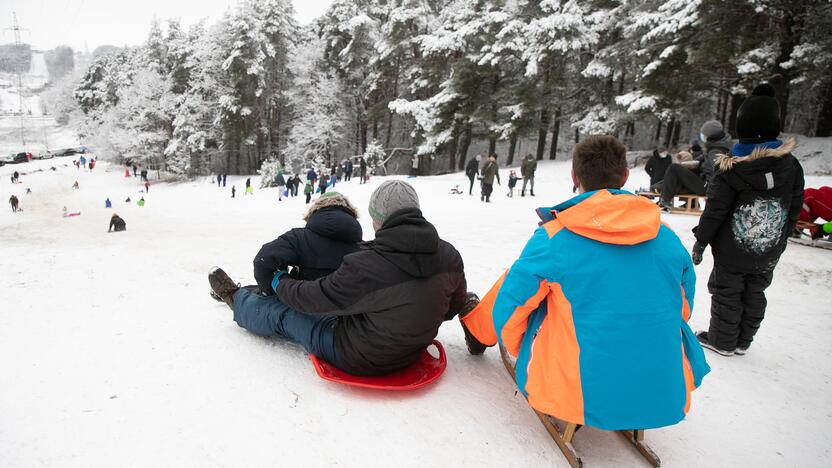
592,346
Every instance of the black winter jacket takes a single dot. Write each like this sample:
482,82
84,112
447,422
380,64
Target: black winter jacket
707,160
391,296
753,204
657,166
472,169
314,251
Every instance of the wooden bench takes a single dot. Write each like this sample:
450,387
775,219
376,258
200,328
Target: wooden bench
692,202
563,432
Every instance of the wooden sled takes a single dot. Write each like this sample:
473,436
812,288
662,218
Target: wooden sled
563,432
692,202
806,239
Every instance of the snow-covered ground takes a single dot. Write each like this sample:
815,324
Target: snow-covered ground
112,352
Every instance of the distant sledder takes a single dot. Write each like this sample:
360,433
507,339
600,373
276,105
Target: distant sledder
379,310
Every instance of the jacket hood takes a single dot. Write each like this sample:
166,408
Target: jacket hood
723,144
410,242
335,223
608,216
764,168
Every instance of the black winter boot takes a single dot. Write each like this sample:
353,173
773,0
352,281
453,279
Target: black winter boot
702,337
222,286
474,346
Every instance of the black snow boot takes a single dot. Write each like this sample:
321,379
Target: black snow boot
474,346
222,286
702,336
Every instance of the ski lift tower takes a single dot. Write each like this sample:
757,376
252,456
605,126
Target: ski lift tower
16,29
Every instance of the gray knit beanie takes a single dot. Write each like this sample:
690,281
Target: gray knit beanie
392,196
712,130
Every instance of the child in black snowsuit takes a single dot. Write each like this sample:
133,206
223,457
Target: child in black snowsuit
512,182
754,202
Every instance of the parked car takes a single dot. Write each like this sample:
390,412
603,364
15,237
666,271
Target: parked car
45,155
21,158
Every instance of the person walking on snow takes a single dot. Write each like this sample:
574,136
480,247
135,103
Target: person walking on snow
15,203
332,180
527,169
754,201
233,191
307,190
348,170
147,186
117,224
312,176
134,170
281,184
219,180
224,177
322,184
472,170
108,203
15,177
489,172
512,182
362,169
295,185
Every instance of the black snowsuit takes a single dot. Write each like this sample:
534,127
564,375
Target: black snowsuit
679,179
362,167
656,167
313,251
472,170
753,204
14,202
391,296
117,224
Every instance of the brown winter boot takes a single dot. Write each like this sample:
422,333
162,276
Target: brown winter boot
222,286
474,346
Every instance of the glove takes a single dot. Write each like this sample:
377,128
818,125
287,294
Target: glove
276,279
696,253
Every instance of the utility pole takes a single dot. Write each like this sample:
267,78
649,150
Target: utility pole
16,29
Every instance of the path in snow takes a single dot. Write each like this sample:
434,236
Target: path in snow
112,352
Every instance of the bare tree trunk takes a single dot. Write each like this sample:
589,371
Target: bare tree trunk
492,145
658,132
389,136
512,147
824,125
668,134
677,129
452,148
553,148
462,150
541,133
736,101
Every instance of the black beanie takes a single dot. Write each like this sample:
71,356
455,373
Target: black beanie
758,118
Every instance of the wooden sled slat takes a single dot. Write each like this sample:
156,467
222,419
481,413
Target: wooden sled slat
692,205
563,437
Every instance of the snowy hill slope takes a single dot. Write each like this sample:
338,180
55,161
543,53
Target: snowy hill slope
111,349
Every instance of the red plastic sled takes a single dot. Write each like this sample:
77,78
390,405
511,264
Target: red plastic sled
425,371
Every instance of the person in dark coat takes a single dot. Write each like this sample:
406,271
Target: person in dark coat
490,171
693,177
381,308
527,169
144,175
754,202
134,170
219,180
117,224
15,203
312,176
362,169
657,165
224,177
348,170
472,170
332,231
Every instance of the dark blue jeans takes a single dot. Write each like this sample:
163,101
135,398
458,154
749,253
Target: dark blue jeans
267,316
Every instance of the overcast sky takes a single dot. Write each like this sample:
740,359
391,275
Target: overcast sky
90,23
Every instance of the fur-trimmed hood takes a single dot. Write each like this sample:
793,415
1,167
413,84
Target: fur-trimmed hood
727,162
